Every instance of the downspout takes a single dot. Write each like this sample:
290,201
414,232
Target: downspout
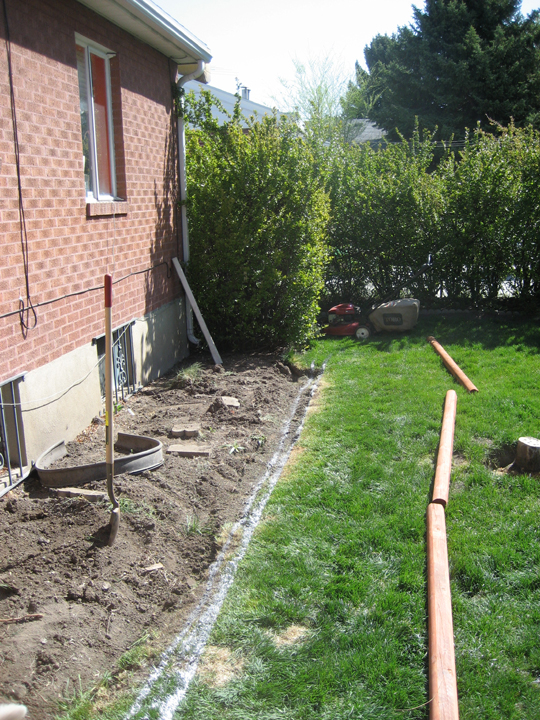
182,182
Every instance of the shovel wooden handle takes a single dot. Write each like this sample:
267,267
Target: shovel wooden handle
109,418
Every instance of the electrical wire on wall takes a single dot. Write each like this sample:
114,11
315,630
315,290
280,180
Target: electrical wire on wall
49,399
96,287
27,312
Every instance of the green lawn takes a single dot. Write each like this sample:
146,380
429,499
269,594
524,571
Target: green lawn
326,618
327,615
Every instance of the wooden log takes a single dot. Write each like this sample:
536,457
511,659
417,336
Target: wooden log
442,666
452,366
441,485
528,454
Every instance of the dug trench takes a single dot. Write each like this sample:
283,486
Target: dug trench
71,606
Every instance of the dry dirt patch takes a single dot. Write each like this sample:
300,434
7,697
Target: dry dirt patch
219,666
94,601
291,635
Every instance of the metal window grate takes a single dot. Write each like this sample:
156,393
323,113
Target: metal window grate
13,468
123,362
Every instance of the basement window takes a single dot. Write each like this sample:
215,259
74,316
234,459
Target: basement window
95,96
124,373
13,460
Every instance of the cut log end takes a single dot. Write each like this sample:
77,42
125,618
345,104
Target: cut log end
528,454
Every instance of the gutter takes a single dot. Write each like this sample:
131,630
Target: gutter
147,21
168,26
182,183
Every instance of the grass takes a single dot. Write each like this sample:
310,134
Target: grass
327,615
128,505
111,697
341,550
194,526
188,375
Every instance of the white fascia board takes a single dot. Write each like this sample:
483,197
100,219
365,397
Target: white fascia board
148,22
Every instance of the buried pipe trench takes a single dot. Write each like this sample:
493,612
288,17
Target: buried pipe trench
182,657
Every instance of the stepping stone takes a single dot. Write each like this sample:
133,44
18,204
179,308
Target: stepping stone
186,430
230,402
189,450
90,495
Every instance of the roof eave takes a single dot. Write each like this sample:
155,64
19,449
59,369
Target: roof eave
148,22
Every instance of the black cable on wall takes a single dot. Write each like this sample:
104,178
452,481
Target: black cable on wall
26,308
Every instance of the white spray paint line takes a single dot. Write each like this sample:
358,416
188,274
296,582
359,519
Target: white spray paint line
183,662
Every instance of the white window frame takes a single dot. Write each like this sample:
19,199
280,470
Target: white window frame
93,195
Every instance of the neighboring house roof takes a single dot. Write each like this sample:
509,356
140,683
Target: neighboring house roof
228,100
365,131
148,22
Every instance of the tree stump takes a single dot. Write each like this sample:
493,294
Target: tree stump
528,454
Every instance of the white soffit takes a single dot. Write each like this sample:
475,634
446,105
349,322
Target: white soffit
148,22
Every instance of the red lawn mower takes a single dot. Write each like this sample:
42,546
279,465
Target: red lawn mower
388,315
396,315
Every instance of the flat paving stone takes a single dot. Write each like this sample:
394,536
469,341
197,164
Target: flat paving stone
91,495
186,430
189,450
230,401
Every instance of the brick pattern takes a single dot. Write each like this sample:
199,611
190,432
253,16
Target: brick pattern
70,250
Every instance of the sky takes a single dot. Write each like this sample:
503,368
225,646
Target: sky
257,42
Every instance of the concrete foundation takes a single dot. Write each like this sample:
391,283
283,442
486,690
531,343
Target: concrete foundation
60,399
159,341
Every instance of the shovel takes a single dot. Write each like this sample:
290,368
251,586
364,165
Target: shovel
109,422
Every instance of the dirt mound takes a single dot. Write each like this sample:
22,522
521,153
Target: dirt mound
73,603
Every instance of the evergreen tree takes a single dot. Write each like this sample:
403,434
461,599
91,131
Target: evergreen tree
460,63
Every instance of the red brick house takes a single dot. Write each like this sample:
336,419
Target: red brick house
88,153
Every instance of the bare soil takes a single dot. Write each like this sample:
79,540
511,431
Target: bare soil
92,602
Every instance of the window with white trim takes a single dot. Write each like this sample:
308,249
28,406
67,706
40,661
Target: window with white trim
94,73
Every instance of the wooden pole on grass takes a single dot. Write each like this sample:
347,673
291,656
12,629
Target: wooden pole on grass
441,486
452,366
442,665
109,421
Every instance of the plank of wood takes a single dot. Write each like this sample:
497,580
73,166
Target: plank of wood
442,664
441,486
213,350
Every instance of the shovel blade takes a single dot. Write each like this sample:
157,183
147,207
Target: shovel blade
115,524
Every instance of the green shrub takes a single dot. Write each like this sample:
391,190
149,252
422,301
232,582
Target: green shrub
477,212
385,210
258,217
491,222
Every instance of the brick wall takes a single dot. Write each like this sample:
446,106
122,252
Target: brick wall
68,251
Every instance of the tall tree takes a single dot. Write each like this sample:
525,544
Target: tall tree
460,63
313,97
